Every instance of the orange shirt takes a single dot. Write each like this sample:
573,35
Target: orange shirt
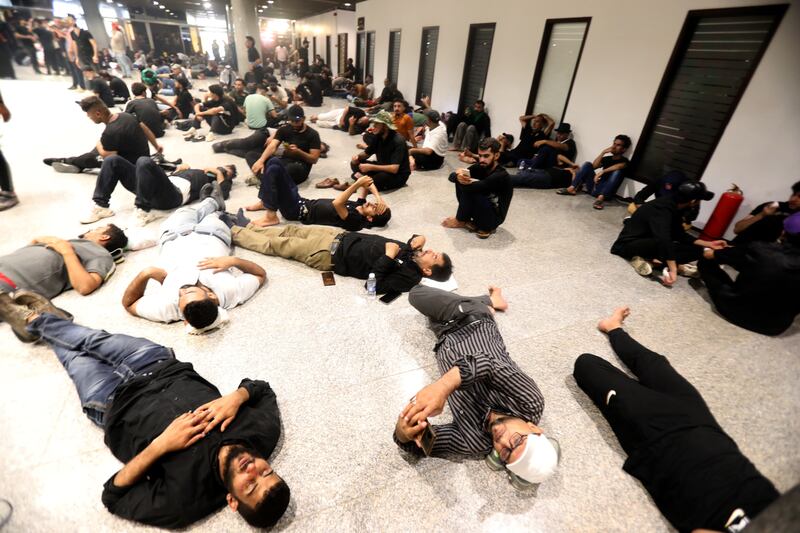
404,125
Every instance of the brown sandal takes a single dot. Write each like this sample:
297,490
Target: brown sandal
341,186
327,183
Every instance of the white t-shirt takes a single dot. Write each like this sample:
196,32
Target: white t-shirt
183,185
370,89
280,94
436,139
118,42
281,53
179,258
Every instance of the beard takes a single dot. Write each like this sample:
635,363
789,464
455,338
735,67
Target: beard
233,455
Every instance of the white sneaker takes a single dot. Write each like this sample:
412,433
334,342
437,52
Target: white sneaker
97,213
688,271
210,137
142,218
641,266
191,131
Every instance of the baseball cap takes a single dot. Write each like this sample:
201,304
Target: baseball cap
538,461
383,117
693,190
295,112
432,115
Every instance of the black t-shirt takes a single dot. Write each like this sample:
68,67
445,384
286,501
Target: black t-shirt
124,136
185,102
146,110
22,30
768,229
85,50
45,38
495,184
252,54
353,111
119,88
101,89
360,254
306,140
527,137
232,115
197,178
391,151
322,212
311,91
609,161
561,177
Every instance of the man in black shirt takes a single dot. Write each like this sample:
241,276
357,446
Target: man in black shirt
549,168
765,222
602,176
46,39
468,129
145,109
695,473
534,128
296,143
187,449
181,105
98,86
391,168
397,266
118,87
310,91
217,110
84,47
655,234
765,297
278,192
483,191
27,40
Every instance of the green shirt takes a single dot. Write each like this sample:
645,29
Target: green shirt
257,107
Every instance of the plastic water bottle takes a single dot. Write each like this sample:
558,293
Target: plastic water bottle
372,292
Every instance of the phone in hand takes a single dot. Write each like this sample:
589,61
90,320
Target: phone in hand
328,279
390,296
428,439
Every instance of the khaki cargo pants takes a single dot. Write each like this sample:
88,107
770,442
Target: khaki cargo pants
308,244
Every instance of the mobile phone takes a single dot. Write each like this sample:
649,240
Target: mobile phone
390,296
328,279
428,439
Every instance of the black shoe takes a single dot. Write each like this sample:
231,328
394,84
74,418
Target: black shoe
158,157
212,190
50,160
218,147
16,316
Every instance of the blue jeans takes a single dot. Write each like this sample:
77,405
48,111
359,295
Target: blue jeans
278,191
606,187
199,218
97,361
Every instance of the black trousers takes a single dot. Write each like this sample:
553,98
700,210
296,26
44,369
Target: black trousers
446,310
433,161
51,60
31,52
252,143
651,249
5,175
217,124
384,181
297,170
84,161
154,190
644,408
476,207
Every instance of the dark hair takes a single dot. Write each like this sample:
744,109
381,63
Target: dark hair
250,38
105,75
270,509
402,101
116,238
183,81
489,143
138,88
216,89
796,188
262,87
626,141
92,102
239,79
87,68
200,313
379,221
480,102
442,272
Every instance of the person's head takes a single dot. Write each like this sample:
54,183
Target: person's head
387,82
255,491
523,448
621,144
370,211
229,171
109,237
149,77
691,192
105,75
368,79
296,117
488,152
794,199
216,91
432,117
238,85
479,106
381,123
198,304
791,230
563,131
399,106
538,122
95,109
89,73
506,140
249,42
138,88
181,84
70,21
262,88
434,265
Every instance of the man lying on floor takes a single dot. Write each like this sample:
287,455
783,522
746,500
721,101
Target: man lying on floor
278,192
198,276
50,266
186,448
695,473
397,266
495,405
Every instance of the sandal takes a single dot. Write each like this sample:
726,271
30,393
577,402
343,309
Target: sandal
483,234
327,183
598,204
341,186
565,192
198,138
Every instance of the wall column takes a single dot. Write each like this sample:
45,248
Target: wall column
95,23
244,19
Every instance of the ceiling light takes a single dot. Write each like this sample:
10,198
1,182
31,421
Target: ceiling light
270,1
207,5
347,4
155,3
260,10
162,7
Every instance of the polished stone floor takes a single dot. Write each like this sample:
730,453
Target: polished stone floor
343,366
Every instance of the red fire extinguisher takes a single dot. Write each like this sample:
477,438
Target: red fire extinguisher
723,214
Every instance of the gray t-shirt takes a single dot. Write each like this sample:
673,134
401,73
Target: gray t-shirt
43,270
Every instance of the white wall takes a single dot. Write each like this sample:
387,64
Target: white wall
332,23
627,49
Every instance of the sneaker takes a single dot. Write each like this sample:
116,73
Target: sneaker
157,157
50,160
688,271
65,168
17,317
252,181
7,202
72,88
641,266
39,304
210,137
218,148
142,218
98,212
212,190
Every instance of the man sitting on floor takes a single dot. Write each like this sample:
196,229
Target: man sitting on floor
145,109
198,276
391,169
549,168
534,128
468,129
351,119
695,473
278,192
259,113
119,89
765,297
296,143
434,147
397,266
187,449
403,123
50,266
602,176
496,406
217,110
98,86
655,234
483,192
765,222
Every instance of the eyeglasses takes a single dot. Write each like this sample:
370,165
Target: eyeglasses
516,441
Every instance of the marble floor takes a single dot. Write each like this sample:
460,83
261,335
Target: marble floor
343,366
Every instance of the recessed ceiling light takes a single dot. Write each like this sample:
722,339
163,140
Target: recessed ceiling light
155,3
347,4
270,1
207,5
162,7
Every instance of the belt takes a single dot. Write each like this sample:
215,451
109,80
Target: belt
7,281
336,242
174,234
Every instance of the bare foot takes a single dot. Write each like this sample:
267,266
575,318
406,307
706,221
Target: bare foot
496,295
615,320
361,146
453,222
255,207
270,219
412,163
313,118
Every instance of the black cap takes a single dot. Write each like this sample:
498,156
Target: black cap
564,127
693,190
295,112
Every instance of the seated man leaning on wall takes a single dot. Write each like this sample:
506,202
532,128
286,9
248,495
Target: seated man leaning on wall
765,222
496,406
197,276
187,450
601,177
470,127
550,167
